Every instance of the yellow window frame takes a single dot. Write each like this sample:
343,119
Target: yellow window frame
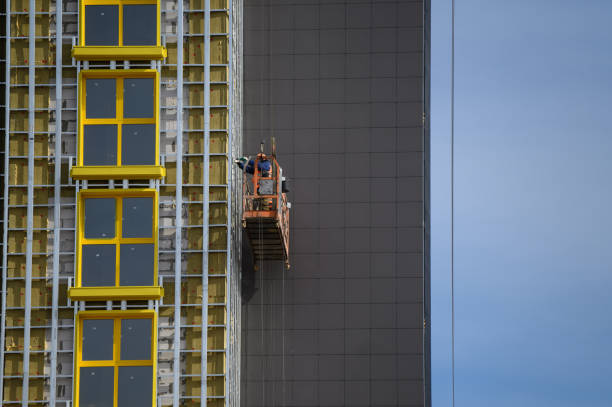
116,292
120,52
116,316
118,171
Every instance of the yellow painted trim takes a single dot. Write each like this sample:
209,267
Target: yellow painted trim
142,54
119,116
118,73
105,53
117,172
116,292
126,172
116,316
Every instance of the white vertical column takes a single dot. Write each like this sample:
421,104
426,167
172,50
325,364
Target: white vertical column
176,368
228,267
205,205
56,199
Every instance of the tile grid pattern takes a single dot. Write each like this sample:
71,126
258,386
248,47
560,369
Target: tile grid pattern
340,86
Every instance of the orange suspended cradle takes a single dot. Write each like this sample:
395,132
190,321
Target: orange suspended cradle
265,209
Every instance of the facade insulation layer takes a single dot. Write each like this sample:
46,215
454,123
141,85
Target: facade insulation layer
120,234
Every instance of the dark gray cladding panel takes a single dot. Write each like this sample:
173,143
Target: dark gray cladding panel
343,87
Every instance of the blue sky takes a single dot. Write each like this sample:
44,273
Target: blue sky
533,203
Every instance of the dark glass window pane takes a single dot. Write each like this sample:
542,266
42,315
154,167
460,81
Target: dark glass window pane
137,217
98,339
136,339
136,267
99,218
138,97
100,98
96,386
138,144
140,24
98,265
100,144
135,386
101,25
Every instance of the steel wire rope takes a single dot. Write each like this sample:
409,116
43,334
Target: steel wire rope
261,310
452,198
283,333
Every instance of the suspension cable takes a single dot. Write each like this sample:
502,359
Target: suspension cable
261,310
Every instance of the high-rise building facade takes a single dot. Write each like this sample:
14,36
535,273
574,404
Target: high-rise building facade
119,257
343,88
125,276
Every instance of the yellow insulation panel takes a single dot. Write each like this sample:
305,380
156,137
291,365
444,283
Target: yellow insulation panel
13,364
192,291
17,242
44,53
20,26
41,76
19,196
18,144
19,121
219,23
16,266
19,98
218,50
15,340
14,387
217,214
41,294
24,5
214,4
38,317
217,170
18,217
194,263
18,172
216,263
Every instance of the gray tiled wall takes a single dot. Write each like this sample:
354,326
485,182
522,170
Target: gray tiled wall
343,87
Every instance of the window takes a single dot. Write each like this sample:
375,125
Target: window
116,358
118,126
117,244
120,23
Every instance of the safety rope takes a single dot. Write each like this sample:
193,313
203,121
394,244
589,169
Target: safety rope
261,310
284,333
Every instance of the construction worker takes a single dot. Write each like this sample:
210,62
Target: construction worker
264,166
